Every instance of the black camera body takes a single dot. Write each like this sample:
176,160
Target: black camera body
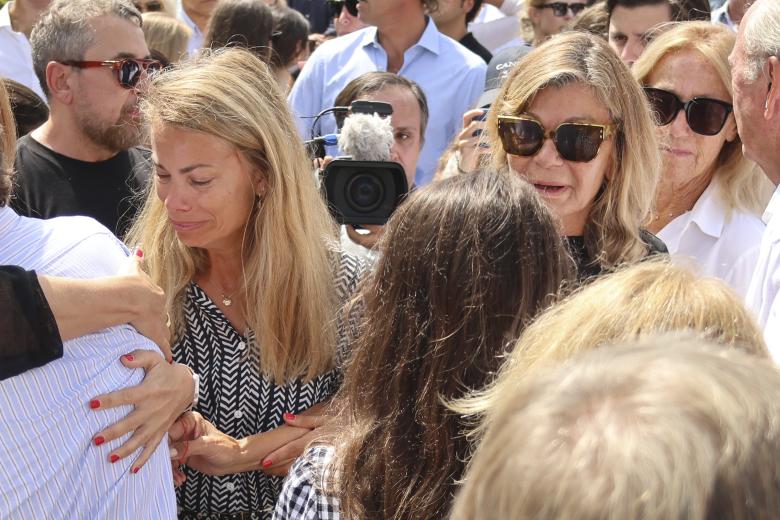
363,192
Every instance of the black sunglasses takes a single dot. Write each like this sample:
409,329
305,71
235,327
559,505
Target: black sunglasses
128,70
577,142
149,7
705,116
559,8
335,7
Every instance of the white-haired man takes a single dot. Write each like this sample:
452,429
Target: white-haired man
755,63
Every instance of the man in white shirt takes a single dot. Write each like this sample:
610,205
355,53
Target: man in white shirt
16,22
756,84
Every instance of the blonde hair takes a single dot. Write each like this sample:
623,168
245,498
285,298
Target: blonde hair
288,282
673,428
166,34
648,298
612,232
741,182
7,145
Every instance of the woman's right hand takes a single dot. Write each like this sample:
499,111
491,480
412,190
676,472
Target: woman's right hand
469,151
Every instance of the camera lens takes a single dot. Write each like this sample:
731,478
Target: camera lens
365,192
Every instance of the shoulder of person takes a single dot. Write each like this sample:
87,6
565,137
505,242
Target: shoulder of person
454,49
350,270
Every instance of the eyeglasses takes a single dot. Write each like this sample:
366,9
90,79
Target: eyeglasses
149,7
128,70
336,6
577,142
559,8
705,116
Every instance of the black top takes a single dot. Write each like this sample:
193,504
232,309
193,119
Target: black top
30,337
588,268
474,46
49,184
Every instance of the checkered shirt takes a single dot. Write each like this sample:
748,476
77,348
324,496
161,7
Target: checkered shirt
303,496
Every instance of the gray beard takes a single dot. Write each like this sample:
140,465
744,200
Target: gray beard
117,137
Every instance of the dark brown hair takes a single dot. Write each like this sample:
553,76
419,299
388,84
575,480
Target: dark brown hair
291,34
466,263
682,10
241,23
373,82
7,145
28,108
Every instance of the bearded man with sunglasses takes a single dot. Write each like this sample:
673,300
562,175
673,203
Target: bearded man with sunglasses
90,57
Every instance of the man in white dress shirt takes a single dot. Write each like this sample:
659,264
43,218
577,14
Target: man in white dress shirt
755,63
16,22
196,14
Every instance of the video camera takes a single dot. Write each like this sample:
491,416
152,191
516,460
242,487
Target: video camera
363,187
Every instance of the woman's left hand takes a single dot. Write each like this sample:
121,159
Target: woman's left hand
165,392
278,463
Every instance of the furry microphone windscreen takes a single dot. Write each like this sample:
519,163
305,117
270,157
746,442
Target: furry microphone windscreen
366,137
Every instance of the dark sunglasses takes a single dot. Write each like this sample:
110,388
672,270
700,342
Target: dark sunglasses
577,142
335,7
559,8
705,116
128,70
149,7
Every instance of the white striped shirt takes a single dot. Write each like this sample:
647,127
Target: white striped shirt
49,467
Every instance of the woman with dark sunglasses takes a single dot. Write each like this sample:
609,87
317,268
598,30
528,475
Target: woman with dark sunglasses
710,197
545,18
571,121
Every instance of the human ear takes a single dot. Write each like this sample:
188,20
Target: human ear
772,105
58,81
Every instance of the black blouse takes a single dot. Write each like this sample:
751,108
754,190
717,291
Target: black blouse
30,337
588,267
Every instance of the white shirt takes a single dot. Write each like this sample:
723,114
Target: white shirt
765,285
710,243
196,40
495,29
49,466
721,15
16,55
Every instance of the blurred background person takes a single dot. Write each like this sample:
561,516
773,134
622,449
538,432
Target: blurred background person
344,16
594,163
497,25
29,110
400,454
634,23
290,44
242,23
730,13
195,14
17,19
452,18
669,428
710,198
165,35
593,19
545,18
156,6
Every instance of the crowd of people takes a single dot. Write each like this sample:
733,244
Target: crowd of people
572,311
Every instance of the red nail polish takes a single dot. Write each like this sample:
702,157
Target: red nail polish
99,440
114,457
267,464
129,357
289,416
94,403
136,469
139,253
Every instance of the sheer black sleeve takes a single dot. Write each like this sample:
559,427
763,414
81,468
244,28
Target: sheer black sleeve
29,336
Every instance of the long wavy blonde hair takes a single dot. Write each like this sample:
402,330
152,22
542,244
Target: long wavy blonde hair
742,184
652,297
612,232
288,284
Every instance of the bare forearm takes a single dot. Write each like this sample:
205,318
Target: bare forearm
84,306
254,449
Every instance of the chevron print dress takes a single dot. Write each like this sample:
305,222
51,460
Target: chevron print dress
239,401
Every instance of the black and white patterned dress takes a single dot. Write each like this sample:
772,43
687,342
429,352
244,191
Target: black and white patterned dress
241,402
